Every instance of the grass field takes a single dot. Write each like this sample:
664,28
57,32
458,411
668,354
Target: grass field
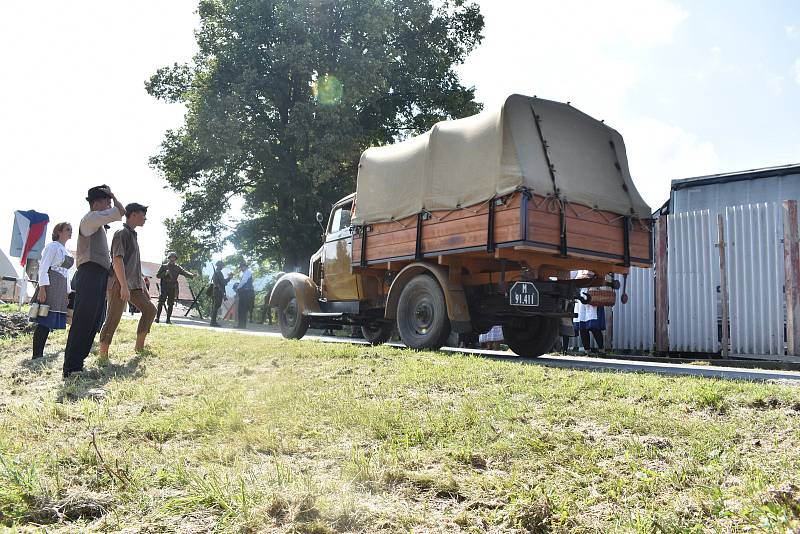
234,433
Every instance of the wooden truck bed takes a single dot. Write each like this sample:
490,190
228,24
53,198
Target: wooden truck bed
521,226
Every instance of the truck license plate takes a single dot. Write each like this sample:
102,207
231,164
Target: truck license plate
523,294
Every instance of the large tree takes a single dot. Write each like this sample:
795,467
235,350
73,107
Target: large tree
282,98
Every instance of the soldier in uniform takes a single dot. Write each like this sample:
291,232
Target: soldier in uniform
218,293
168,274
246,294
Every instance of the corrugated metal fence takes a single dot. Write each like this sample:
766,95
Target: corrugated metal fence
633,322
755,278
754,253
692,281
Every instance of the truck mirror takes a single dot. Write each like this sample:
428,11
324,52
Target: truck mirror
319,220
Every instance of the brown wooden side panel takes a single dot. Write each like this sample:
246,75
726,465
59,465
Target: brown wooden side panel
448,230
508,219
595,231
443,231
468,228
544,222
590,233
388,240
641,241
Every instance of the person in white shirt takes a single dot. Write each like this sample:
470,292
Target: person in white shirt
589,319
90,282
53,273
246,294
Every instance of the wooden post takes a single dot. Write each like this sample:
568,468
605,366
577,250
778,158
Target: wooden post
723,284
662,292
791,265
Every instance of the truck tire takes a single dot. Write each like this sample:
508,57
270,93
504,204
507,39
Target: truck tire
293,324
422,314
536,338
377,334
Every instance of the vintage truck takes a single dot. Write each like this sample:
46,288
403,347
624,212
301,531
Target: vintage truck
478,222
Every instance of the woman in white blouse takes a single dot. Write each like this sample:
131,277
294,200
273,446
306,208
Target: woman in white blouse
53,289
589,318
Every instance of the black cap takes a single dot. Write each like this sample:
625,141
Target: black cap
134,207
98,192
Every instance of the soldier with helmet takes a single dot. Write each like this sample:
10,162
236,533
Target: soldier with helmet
168,274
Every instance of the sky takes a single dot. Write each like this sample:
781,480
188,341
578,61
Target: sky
695,88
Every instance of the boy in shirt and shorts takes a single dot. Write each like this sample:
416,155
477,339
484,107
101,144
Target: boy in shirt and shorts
127,283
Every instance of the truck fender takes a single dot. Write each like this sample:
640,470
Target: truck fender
455,298
298,285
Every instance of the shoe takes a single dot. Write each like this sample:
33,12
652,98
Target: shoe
73,374
169,322
157,320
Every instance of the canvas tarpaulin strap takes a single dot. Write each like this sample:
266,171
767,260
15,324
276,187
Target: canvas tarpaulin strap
463,162
28,236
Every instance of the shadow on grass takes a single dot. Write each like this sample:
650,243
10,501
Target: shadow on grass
90,383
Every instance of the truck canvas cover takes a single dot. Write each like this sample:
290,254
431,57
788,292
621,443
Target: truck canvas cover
467,161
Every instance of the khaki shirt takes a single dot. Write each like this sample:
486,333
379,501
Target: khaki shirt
125,245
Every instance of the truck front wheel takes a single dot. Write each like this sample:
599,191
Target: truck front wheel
422,314
537,337
293,323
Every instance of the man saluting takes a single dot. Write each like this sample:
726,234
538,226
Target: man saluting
91,279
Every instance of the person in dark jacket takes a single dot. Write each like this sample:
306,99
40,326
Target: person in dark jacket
218,292
246,294
168,273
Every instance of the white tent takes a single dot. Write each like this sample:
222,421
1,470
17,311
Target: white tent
463,162
6,267
7,288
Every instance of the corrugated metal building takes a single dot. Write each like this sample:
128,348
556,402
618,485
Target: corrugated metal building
747,208
718,191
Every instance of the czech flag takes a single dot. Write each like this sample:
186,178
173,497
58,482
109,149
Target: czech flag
28,238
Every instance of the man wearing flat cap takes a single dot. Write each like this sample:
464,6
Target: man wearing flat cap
219,282
91,278
127,282
168,274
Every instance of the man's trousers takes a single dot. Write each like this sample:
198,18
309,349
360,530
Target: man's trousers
90,283
116,306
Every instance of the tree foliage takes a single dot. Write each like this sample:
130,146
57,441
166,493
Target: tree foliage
282,98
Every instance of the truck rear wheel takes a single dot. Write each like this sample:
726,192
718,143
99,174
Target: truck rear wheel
422,314
294,324
537,337
377,334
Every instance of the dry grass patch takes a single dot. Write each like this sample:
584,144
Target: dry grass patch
214,431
